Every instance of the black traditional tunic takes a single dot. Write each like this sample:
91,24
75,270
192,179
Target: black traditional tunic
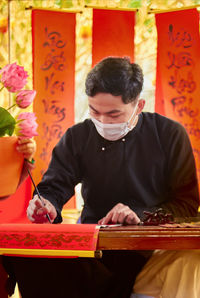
152,166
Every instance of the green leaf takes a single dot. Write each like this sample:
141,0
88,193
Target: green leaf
135,3
66,4
7,123
58,3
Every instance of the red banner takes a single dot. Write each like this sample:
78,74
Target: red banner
178,66
53,76
113,34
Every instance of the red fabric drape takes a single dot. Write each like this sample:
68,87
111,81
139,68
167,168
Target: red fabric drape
178,72
113,34
53,77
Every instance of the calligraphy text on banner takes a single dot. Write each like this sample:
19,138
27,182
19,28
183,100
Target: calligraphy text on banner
179,68
54,71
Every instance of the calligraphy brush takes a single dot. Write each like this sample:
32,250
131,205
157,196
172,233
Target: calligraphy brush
47,215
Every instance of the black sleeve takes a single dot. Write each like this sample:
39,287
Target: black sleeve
183,194
62,175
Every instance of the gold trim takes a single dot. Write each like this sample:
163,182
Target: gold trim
54,9
47,252
156,11
110,8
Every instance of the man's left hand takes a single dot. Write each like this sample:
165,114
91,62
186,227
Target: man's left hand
120,214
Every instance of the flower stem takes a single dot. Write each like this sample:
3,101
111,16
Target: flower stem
18,121
11,106
1,88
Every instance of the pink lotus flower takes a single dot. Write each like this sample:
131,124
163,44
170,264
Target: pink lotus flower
14,77
24,98
27,127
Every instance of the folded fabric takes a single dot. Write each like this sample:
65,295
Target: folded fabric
170,274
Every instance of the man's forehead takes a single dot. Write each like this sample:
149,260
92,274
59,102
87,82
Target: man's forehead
106,100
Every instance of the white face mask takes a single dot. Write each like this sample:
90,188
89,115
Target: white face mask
114,131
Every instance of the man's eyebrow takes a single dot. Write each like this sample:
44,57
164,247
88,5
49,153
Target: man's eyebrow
91,107
108,113
113,112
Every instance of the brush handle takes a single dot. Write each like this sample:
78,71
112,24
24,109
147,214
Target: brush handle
47,215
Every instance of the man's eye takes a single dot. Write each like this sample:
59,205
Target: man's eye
114,116
94,112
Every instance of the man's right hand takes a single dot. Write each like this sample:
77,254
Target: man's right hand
38,210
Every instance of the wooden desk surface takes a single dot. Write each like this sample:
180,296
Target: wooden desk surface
148,237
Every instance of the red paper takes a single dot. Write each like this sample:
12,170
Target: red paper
113,34
53,76
79,237
178,68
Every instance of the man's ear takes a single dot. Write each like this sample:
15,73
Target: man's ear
141,104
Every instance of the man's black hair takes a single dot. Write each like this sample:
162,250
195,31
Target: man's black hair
116,76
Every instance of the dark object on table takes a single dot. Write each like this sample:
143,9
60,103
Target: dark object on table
156,218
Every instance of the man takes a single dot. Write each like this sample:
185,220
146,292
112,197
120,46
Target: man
128,162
